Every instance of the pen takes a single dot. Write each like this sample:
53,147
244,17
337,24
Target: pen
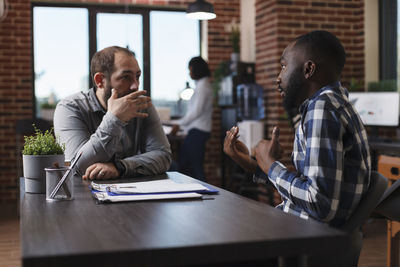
65,176
65,186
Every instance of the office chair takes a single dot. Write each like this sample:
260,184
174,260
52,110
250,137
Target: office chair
389,204
389,208
378,185
368,203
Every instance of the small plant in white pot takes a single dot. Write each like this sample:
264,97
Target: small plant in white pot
40,151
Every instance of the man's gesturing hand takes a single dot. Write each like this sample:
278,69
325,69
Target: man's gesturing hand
128,107
268,151
238,151
232,146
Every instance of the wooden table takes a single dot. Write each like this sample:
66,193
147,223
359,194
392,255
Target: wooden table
225,228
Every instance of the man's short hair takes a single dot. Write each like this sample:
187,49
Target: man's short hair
199,68
103,61
323,47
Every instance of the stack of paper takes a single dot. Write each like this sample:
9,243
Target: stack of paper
159,189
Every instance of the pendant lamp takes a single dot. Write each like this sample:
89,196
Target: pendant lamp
201,10
187,93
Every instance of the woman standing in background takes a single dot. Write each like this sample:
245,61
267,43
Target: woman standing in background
197,121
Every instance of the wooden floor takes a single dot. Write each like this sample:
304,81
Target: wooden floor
10,254
373,253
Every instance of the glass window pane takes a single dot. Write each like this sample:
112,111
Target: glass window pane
174,40
125,30
61,52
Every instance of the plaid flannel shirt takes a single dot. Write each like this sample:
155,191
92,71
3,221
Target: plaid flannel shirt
331,156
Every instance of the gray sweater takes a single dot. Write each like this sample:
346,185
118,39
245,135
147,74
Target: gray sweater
83,125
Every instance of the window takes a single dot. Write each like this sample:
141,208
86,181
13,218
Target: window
174,41
388,39
65,38
129,34
61,53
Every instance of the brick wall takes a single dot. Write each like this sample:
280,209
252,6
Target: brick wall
15,88
278,22
219,49
16,79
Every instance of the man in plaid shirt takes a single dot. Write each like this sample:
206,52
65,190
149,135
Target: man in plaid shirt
330,151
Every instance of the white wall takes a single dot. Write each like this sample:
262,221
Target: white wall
204,39
247,31
371,25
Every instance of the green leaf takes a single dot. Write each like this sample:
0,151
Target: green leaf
42,144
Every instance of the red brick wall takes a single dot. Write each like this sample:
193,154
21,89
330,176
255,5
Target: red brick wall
16,79
15,88
219,49
279,22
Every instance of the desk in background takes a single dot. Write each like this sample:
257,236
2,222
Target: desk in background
175,139
226,229
383,148
176,142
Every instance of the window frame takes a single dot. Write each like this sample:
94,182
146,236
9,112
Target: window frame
93,10
388,39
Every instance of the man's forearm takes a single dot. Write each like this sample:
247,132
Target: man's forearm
149,163
246,162
97,147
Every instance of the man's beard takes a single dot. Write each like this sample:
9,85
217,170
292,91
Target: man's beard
292,92
107,94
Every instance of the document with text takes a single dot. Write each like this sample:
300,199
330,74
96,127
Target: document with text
158,186
105,197
158,189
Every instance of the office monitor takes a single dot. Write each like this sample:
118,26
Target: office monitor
377,108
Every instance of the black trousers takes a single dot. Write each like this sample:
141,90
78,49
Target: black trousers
191,155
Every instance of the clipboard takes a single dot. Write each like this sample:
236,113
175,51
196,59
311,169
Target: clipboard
149,190
104,197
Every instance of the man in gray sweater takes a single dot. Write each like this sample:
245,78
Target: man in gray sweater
114,125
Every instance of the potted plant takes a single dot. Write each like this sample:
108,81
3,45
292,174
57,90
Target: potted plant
355,85
48,107
47,111
220,72
233,29
382,86
40,151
